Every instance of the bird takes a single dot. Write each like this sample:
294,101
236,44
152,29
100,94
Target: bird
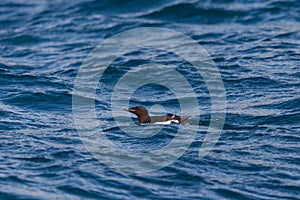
144,118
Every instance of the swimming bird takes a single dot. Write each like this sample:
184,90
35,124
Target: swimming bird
144,118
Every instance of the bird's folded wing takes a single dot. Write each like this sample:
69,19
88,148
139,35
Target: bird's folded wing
155,119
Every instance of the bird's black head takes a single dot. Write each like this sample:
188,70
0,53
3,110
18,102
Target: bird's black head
141,113
138,110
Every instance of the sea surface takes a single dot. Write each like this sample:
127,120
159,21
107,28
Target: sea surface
254,44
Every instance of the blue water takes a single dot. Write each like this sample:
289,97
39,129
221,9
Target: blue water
255,45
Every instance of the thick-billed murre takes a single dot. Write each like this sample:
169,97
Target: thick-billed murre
144,118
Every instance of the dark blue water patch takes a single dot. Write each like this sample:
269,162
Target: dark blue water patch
296,74
118,7
23,39
146,56
41,100
151,94
289,104
291,118
77,191
184,12
15,68
30,80
232,194
253,81
33,95
126,141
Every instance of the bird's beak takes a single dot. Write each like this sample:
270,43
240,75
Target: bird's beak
129,110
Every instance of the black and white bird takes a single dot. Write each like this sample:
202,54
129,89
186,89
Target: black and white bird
144,118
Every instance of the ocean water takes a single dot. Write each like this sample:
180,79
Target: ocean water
255,46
